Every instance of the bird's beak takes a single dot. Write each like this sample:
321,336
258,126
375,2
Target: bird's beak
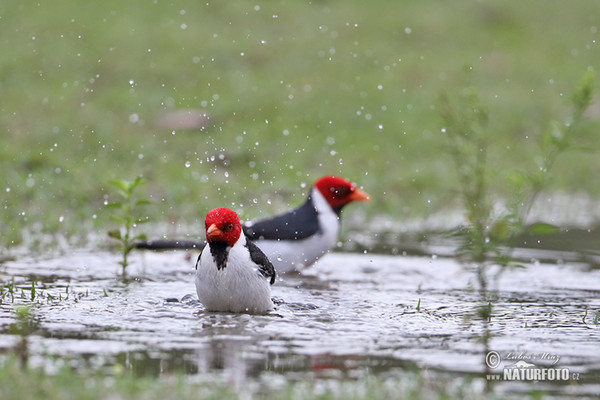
213,231
359,195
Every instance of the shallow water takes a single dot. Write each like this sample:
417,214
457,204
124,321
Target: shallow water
348,316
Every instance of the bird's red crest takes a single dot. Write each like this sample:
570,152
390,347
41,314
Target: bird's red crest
339,191
222,225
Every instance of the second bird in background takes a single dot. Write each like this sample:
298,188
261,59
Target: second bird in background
298,238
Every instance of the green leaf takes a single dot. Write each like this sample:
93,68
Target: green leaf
121,184
143,202
116,234
141,236
542,228
584,93
118,219
114,204
500,231
139,181
142,220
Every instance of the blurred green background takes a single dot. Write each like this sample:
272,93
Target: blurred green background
294,90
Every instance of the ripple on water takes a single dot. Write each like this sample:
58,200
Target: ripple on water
351,311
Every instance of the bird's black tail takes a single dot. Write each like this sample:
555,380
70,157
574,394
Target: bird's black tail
162,244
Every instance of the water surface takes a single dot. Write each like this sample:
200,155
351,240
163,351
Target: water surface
348,316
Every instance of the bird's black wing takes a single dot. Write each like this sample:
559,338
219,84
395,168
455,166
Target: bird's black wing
198,260
258,257
293,225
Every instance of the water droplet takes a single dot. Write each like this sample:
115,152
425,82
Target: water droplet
61,218
188,164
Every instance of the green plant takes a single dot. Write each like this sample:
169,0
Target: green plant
23,326
127,213
527,186
489,238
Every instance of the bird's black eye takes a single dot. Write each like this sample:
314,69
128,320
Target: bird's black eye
228,227
340,191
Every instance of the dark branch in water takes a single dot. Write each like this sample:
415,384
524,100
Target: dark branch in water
159,245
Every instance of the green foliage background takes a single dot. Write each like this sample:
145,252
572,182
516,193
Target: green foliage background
294,90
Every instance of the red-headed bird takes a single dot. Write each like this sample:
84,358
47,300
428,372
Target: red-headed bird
233,274
298,238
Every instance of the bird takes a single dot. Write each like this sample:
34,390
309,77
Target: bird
232,273
298,238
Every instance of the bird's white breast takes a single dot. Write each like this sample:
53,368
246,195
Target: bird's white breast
239,287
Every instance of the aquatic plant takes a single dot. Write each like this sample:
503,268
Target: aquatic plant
23,326
10,291
489,238
127,213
